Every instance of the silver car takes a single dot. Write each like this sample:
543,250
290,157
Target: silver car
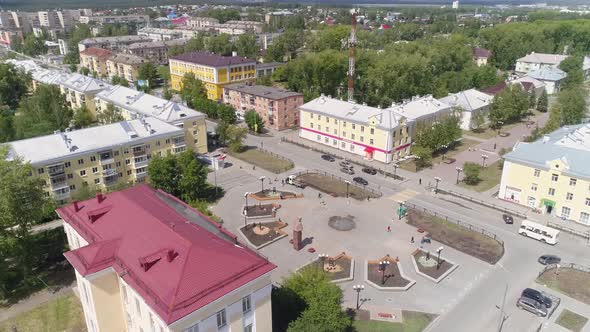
531,305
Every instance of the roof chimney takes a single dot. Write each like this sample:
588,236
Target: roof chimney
99,197
171,254
76,206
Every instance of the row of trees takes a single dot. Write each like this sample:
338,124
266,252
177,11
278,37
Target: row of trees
244,45
437,137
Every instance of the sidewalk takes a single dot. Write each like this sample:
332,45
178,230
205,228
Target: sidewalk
33,301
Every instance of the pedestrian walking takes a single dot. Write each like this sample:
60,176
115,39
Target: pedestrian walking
412,240
494,146
389,229
283,182
420,181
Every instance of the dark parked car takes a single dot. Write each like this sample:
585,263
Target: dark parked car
345,164
537,296
349,171
369,170
549,259
329,158
508,219
360,180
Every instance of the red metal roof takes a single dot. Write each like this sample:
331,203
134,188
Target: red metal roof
481,53
212,59
494,90
96,51
175,257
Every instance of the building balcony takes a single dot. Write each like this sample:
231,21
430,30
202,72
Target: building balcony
141,175
110,179
139,151
106,157
56,170
179,142
59,185
140,162
61,195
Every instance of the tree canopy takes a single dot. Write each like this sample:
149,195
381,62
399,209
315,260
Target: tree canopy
42,113
14,84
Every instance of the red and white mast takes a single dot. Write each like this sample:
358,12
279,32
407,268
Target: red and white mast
351,55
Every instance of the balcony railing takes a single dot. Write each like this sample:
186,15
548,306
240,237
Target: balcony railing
62,195
139,152
106,158
56,170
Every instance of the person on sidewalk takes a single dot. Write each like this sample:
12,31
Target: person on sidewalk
412,240
388,229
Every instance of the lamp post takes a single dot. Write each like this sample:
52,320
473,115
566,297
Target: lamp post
437,179
262,183
438,251
382,267
358,289
459,170
347,185
395,166
322,258
245,212
500,123
483,160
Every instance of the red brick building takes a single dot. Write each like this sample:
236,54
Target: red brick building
278,108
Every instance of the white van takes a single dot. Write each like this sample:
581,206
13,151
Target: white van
539,232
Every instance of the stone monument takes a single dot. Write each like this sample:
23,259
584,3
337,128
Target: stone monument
297,230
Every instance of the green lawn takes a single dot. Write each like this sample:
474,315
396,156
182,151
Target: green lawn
571,320
464,144
62,314
490,177
412,322
265,160
488,133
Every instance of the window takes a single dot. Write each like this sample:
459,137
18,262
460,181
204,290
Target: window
311,125
73,187
565,212
587,201
372,131
67,164
319,117
80,161
319,128
94,170
82,173
328,130
194,328
319,137
537,173
554,177
327,120
343,123
371,141
353,126
221,320
96,181
362,139
118,164
569,196
129,172
573,182
334,142
335,121
534,187
127,161
70,176
138,307
92,158
248,328
168,141
351,136
326,140
41,170
116,153
335,131
584,217
351,147
343,145
246,304
311,115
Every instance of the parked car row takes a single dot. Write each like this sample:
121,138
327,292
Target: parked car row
534,301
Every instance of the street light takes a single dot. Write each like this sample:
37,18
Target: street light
500,123
459,170
262,183
358,289
382,267
395,166
438,251
322,258
437,179
246,194
483,160
246,210
347,184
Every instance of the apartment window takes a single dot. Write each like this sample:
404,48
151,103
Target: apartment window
70,176
138,307
551,192
129,172
362,139
587,201
584,216
73,187
537,173
92,158
116,153
82,173
326,140
353,126
118,164
319,128
362,129
126,151
573,182
194,328
534,187
351,136
80,161
554,177
311,125
569,196
343,145
94,170
246,304
334,142
335,131
311,115
351,147
372,131
328,130
371,141
127,161
221,319
335,121
327,120
41,170
319,137
319,117
67,164
96,181
565,212
248,328
343,123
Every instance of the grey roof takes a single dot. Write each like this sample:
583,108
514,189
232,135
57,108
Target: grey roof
548,74
266,65
552,59
128,59
262,91
420,107
82,83
66,145
569,144
352,112
114,39
469,100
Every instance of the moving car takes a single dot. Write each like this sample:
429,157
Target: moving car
360,180
345,164
537,296
349,171
329,158
508,219
531,305
549,259
539,232
369,170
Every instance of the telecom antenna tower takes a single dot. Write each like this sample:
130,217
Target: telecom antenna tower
352,55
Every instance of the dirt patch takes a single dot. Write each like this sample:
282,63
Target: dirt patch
336,268
261,233
568,281
342,223
463,239
264,159
392,274
429,266
334,186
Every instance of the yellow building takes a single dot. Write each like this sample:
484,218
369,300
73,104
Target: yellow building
146,261
100,157
374,133
80,90
215,71
125,66
95,59
133,104
551,174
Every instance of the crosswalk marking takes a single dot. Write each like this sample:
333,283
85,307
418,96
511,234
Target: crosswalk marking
403,195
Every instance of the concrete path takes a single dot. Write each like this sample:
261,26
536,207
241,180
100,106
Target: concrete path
34,301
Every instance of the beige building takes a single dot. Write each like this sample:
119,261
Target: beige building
124,65
114,43
201,22
80,90
135,104
95,59
99,157
146,261
156,51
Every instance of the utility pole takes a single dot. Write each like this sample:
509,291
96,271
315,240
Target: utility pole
351,55
502,309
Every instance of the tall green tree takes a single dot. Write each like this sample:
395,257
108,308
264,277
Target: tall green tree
82,117
7,130
80,32
471,171
543,101
109,115
234,137
246,46
220,44
226,113
118,80
254,121
192,89
572,65
14,84
34,46
196,43
573,105
163,174
148,72
509,105
42,113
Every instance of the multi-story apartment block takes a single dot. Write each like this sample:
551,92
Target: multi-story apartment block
421,111
535,61
133,104
124,65
215,71
157,51
266,68
202,22
95,59
80,90
157,34
253,26
113,19
277,107
374,133
7,36
111,43
97,156
471,103
183,273
551,174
